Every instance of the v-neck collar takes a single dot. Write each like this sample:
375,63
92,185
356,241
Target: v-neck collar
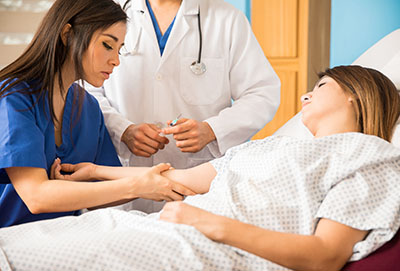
162,39
66,124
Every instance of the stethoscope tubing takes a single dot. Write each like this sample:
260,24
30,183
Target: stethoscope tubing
200,37
198,67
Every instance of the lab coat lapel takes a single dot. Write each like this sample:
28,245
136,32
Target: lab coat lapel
187,11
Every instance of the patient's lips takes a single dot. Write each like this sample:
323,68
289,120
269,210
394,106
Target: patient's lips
305,104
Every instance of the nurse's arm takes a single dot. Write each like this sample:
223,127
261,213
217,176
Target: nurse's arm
42,195
197,179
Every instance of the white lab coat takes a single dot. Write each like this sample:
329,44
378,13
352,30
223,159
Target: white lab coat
148,88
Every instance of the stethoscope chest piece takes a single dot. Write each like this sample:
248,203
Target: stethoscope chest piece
198,68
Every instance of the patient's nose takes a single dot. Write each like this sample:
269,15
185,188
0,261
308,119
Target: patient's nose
305,98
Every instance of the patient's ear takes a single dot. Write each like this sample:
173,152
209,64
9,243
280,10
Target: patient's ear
352,98
65,33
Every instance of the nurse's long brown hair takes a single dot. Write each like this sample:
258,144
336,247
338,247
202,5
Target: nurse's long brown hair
46,54
377,99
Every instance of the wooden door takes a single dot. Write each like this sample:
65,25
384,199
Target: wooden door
294,35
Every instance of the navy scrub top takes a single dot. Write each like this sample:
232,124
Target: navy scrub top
27,140
162,39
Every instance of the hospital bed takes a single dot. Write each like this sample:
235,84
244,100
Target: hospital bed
385,57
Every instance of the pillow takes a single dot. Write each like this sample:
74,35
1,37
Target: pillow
386,258
384,56
295,128
396,135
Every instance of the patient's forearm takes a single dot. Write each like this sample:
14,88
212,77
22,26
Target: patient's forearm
297,252
328,249
198,179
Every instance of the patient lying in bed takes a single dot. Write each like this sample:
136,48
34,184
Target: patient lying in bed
266,203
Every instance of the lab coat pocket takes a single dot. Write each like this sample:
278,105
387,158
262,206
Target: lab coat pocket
201,89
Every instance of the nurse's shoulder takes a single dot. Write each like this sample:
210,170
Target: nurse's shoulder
90,104
21,93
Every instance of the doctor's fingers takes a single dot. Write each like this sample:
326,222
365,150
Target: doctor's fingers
145,146
141,132
189,134
181,126
152,138
190,145
151,142
141,149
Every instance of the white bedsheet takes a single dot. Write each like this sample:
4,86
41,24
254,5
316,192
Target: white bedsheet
279,183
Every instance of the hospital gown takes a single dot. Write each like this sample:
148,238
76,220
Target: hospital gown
279,183
27,140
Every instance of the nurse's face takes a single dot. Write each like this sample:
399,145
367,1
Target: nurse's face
102,55
326,104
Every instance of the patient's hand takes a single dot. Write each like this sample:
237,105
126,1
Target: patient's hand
80,172
182,213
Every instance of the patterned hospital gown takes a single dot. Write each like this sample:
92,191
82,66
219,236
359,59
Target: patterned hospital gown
278,183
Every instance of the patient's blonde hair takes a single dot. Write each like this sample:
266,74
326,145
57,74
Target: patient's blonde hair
377,101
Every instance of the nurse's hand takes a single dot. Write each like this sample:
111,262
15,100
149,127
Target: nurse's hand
78,172
190,135
152,185
144,139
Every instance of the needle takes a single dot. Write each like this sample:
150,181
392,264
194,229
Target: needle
175,120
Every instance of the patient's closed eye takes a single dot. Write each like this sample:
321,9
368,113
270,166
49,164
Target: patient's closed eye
321,84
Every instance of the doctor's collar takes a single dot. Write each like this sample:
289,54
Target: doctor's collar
188,7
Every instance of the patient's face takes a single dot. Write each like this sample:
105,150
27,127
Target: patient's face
325,104
102,55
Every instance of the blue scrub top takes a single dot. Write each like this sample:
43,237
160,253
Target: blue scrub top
162,39
27,140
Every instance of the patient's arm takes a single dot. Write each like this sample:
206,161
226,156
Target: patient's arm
197,179
328,249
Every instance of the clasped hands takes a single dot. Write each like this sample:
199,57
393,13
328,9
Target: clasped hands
146,139
148,183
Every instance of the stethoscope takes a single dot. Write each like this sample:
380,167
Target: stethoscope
197,67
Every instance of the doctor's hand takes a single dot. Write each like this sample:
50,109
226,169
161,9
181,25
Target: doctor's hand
190,135
144,139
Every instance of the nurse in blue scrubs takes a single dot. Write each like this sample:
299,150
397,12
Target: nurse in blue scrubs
46,117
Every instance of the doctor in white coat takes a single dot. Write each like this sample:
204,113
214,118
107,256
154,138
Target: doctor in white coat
186,58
